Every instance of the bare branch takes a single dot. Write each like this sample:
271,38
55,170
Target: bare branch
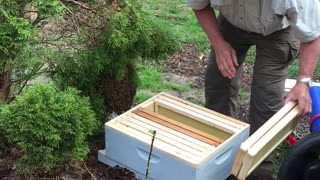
77,3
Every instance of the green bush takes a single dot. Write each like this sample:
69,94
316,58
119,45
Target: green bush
104,69
49,127
22,52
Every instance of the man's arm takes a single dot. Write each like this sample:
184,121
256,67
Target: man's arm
304,17
225,54
309,54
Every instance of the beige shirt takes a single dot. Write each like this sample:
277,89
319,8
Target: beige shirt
267,16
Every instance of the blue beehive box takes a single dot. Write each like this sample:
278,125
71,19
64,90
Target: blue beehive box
191,142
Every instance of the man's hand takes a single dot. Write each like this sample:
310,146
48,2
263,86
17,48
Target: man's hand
225,54
226,59
309,55
300,94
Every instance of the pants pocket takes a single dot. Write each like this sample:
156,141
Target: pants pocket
294,50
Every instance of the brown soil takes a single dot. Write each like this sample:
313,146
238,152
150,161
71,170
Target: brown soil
187,63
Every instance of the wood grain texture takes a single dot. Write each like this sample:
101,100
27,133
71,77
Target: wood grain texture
192,132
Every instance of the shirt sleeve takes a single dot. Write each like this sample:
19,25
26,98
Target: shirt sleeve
304,17
198,4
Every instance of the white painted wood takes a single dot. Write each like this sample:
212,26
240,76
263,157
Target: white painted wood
175,155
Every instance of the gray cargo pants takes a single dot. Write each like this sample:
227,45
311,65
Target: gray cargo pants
273,55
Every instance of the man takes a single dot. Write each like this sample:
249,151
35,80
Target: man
276,28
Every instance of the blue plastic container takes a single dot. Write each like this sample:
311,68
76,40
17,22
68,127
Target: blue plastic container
315,114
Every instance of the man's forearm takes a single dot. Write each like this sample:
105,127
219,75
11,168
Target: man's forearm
309,55
208,22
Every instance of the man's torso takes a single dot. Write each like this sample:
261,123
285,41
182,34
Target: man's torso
251,15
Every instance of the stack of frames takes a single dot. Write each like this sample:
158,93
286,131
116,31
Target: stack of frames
260,144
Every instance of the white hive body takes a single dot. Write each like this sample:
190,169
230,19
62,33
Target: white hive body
191,142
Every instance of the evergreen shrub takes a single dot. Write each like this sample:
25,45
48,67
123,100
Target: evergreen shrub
129,35
22,51
49,127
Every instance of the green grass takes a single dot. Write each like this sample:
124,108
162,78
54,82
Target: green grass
179,17
251,55
293,70
317,72
141,97
151,79
281,152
